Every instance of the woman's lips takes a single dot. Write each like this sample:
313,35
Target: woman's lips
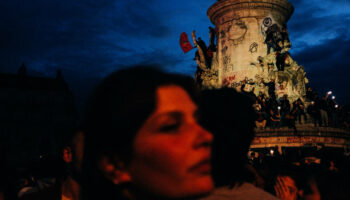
203,167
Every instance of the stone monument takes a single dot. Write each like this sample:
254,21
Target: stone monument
251,49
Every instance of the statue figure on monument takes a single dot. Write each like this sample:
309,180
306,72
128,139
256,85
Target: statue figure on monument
212,47
205,74
201,54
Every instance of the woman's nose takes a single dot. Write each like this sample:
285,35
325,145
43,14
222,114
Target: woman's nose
204,138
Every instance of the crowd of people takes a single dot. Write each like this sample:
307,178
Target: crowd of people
313,172
147,134
276,113
325,111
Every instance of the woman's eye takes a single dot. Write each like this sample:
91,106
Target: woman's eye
169,127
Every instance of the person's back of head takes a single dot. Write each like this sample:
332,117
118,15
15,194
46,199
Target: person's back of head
230,116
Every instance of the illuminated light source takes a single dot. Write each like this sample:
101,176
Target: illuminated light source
330,92
333,97
279,107
272,151
336,106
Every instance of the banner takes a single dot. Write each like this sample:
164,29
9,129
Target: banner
184,43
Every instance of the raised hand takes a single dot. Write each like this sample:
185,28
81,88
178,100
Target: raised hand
285,188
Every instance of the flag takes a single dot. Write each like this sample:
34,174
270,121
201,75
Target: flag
184,43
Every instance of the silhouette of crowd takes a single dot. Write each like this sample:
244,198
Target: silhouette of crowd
322,112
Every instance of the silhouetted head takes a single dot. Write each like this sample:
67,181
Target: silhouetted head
230,116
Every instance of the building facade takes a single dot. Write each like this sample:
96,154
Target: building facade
37,114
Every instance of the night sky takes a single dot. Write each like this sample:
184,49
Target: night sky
88,39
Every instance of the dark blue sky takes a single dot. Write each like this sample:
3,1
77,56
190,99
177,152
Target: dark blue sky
88,39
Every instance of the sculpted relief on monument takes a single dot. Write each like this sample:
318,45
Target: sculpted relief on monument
236,31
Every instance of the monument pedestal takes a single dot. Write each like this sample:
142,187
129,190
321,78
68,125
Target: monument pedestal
307,135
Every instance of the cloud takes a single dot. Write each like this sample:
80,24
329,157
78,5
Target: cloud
57,31
313,22
138,18
326,65
325,54
319,34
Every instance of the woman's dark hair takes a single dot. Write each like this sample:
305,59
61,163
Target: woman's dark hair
229,115
118,108
120,105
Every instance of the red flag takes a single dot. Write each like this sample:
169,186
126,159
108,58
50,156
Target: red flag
184,43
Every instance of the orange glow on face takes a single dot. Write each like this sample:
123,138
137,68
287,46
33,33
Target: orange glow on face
67,155
171,150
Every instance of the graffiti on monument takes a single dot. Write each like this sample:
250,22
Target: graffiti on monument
267,22
228,80
224,50
253,48
227,60
228,68
227,64
302,139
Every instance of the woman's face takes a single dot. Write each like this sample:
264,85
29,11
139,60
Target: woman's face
171,150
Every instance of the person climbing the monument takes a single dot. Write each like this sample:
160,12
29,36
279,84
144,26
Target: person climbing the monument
314,111
285,37
272,37
299,108
244,82
289,114
281,60
310,94
285,107
275,119
269,42
324,109
271,87
270,67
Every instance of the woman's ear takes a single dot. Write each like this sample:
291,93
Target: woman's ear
114,171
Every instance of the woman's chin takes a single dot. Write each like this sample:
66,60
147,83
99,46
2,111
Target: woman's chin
201,187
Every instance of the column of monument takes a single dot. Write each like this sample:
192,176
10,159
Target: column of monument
253,47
